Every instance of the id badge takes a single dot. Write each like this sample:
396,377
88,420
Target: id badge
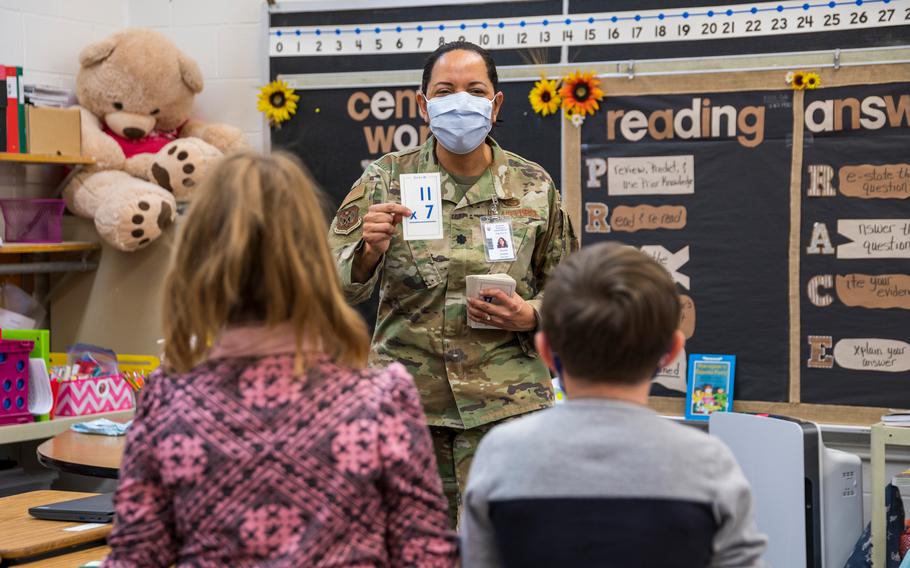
497,239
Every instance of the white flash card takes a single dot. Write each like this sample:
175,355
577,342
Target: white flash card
421,193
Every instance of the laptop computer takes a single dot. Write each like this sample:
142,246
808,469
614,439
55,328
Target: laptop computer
94,509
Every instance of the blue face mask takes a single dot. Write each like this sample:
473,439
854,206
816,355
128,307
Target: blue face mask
461,121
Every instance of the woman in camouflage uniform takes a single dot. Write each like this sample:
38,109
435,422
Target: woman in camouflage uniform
468,378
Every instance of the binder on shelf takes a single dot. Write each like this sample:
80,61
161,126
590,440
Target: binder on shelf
12,110
23,130
3,103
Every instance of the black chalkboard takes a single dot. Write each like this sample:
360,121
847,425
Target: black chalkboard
878,190
737,220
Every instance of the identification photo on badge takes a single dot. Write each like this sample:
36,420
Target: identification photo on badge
421,193
497,239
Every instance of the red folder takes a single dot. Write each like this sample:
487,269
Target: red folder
12,111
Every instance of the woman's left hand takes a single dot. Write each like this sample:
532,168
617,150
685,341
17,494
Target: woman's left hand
511,313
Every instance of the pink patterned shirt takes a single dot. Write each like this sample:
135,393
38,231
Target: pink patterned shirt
240,463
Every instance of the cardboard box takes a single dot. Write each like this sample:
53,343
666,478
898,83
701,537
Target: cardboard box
54,131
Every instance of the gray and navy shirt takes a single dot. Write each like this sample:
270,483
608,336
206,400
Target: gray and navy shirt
605,483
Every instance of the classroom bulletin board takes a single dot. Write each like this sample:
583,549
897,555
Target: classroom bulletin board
784,218
783,215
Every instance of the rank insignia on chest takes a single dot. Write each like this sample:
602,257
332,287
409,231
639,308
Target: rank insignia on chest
347,220
510,202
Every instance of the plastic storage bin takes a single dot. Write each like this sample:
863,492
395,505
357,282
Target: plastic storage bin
14,381
33,220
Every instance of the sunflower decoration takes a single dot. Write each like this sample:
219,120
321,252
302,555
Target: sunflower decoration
278,101
545,97
812,80
799,80
580,93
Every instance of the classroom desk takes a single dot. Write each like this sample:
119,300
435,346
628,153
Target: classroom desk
85,454
71,560
22,536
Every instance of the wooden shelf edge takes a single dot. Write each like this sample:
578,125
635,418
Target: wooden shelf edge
46,159
65,246
14,433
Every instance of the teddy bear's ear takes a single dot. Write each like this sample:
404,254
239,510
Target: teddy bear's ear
95,53
190,74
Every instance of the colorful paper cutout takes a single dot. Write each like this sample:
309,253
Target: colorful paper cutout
876,291
643,217
874,238
873,354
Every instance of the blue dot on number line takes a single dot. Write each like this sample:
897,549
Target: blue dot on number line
660,16
685,14
710,13
832,4
522,23
859,2
637,17
502,25
729,12
568,21
297,33
754,10
377,30
546,22
278,33
337,31
462,26
591,20
614,19
398,29
318,32
419,28
484,25
357,31
442,27
805,6
780,8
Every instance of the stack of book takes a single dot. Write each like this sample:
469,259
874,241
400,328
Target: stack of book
897,419
47,96
13,137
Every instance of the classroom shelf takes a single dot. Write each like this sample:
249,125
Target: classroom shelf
46,159
881,436
47,248
40,430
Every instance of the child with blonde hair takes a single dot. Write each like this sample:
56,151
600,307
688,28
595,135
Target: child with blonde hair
264,440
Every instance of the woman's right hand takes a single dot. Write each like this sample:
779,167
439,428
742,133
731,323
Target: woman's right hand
379,226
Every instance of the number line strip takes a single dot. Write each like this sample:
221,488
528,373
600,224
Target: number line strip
555,20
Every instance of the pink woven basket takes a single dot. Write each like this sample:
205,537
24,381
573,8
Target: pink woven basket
33,220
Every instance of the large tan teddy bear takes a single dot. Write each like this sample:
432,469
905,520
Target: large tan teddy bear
135,91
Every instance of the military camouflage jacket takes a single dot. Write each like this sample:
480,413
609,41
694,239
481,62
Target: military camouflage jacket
466,377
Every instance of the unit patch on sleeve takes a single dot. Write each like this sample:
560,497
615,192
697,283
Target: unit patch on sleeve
347,220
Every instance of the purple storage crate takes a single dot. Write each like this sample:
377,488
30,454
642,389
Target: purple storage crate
14,381
33,220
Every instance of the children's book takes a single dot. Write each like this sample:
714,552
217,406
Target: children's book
710,385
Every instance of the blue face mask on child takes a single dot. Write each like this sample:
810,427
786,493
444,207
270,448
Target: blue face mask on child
461,121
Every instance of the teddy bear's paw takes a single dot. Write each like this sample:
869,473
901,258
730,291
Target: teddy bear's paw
182,164
134,223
